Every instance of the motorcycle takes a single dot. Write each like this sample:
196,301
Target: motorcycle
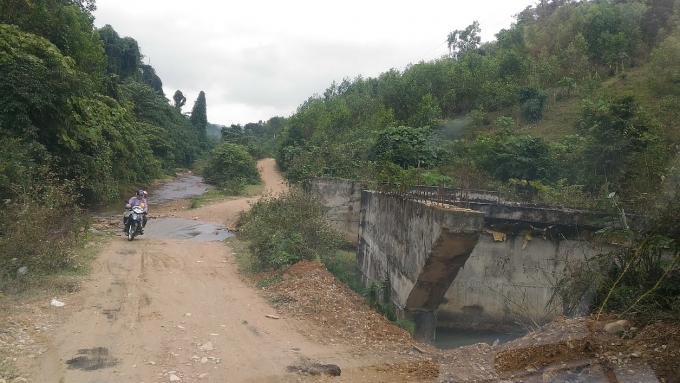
133,222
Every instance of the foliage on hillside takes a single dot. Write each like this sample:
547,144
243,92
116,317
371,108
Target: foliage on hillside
231,164
486,105
643,278
80,115
230,167
83,99
260,138
284,230
576,104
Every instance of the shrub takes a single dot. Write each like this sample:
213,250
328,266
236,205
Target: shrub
229,162
625,146
506,156
642,276
286,229
404,146
531,102
39,229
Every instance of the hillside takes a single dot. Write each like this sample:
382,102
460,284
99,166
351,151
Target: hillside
573,101
576,105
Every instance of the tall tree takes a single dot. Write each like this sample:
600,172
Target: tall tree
124,57
179,99
199,113
131,58
112,47
199,118
466,40
150,78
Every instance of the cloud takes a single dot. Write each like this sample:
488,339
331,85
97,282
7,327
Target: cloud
260,58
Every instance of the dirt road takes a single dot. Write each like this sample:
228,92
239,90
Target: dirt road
226,213
172,310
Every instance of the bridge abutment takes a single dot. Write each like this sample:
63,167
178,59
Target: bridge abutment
417,255
507,282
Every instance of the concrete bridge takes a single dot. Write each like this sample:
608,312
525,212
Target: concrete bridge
418,256
461,261
342,199
497,209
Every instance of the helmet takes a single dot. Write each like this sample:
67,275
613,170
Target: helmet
140,192
145,193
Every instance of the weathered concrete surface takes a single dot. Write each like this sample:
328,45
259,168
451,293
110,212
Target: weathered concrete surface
545,215
446,257
509,280
496,207
418,248
342,200
504,284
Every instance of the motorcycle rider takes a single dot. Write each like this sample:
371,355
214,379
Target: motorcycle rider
139,199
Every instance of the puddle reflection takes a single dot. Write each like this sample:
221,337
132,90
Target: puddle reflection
179,228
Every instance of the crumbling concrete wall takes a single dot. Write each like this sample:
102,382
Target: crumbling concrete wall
509,281
418,248
342,200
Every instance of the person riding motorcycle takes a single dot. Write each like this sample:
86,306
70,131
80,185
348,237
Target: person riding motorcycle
139,199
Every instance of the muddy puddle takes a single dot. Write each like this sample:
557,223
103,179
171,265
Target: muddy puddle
187,229
185,186
92,359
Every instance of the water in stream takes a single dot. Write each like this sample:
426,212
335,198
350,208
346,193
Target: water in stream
184,186
187,229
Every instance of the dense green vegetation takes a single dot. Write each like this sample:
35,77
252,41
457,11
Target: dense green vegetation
573,94
80,117
259,138
641,278
576,104
230,167
284,230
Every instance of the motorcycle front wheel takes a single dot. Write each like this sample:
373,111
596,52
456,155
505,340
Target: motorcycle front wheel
132,230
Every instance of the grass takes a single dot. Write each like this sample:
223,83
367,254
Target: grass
244,259
406,324
560,117
246,266
66,280
6,367
268,279
253,190
634,81
343,265
212,196
559,120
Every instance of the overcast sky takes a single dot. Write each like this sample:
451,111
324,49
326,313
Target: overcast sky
256,59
